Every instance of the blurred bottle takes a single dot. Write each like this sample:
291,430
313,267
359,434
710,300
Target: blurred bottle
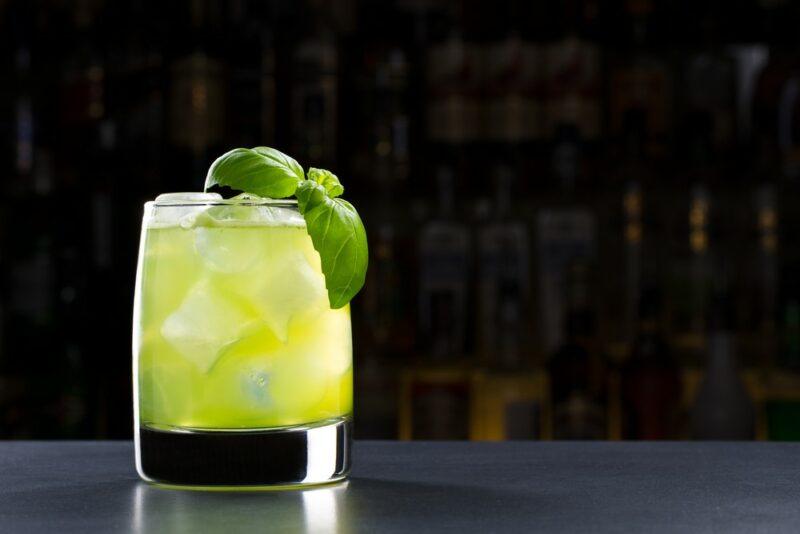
767,267
572,77
722,408
512,79
384,152
640,81
577,370
651,381
782,410
790,356
315,94
444,250
197,96
503,282
251,77
383,317
385,336
83,76
435,404
453,109
24,125
691,269
140,114
699,221
565,234
634,176
711,88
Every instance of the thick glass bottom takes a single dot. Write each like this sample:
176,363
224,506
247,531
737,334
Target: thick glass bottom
247,459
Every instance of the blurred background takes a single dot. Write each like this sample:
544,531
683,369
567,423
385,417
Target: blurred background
581,214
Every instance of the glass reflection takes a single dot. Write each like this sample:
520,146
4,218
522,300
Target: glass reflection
317,510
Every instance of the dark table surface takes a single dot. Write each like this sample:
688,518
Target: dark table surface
425,487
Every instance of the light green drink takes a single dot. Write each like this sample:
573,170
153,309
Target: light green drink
234,333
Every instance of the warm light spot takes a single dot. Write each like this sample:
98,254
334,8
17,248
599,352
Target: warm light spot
767,219
698,240
633,232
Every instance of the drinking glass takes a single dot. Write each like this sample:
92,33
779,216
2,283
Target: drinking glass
242,371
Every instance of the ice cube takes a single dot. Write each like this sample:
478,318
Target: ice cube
279,216
205,323
179,209
241,376
239,387
288,287
192,196
252,214
229,250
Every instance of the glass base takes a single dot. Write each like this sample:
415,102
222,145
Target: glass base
245,459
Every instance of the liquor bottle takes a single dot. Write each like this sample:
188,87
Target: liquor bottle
565,234
767,269
700,267
790,356
710,81
781,405
382,313
444,251
651,381
572,79
139,66
640,81
83,76
315,90
635,176
503,282
577,371
514,68
787,360
24,128
247,64
435,403
722,408
750,60
453,108
196,101
788,120
692,274
387,112
436,394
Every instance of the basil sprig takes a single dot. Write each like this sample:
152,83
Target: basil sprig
336,230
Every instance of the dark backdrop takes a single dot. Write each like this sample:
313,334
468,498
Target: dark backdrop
569,203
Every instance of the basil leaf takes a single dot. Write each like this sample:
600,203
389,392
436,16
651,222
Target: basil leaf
261,171
328,180
339,237
309,194
336,230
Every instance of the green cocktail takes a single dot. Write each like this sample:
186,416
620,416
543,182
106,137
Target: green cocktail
236,329
236,345
242,352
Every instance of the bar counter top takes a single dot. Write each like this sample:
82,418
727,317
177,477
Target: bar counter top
417,487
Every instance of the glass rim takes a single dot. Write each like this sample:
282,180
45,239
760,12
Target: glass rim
211,202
